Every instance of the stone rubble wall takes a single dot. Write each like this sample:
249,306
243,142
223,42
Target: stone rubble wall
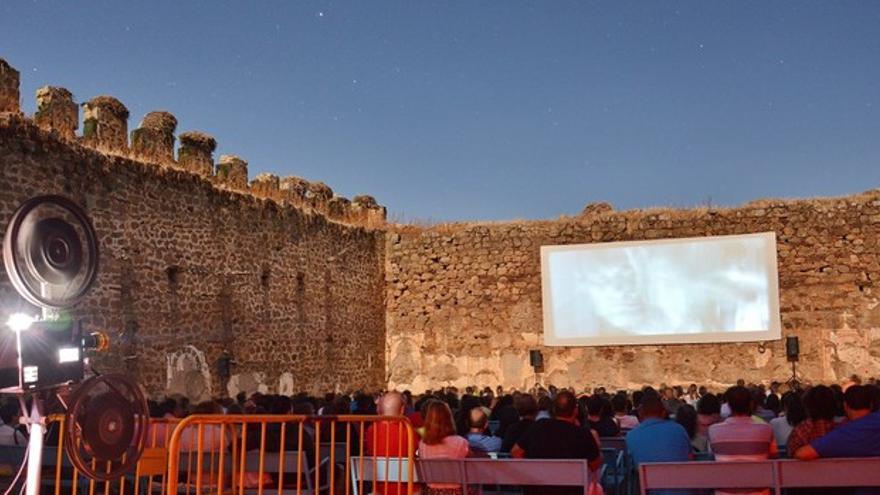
464,300
196,262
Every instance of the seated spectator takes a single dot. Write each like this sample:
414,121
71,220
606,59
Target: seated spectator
820,410
619,405
599,417
670,400
773,403
477,437
760,410
859,436
10,435
559,437
708,413
740,437
462,420
692,396
527,408
388,438
658,439
505,413
441,442
793,413
545,404
687,418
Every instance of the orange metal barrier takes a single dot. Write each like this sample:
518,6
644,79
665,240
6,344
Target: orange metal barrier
60,477
287,454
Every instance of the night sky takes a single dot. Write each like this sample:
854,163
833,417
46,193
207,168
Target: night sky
491,110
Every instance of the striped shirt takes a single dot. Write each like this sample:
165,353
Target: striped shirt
740,438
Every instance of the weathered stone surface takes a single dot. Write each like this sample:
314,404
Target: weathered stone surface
233,172
319,196
367,211
188,269
265,185
339,208
294,188
10,98
464,300
105,124
154,139
57,111
597,209
196,153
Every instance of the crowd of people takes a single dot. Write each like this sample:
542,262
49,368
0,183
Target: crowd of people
744,422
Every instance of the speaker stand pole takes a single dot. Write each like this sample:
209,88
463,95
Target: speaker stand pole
37,428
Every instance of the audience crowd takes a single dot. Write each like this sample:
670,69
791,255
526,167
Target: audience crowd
667,423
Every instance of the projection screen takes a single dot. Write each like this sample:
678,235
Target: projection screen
670,291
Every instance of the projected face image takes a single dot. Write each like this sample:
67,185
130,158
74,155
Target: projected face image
659,289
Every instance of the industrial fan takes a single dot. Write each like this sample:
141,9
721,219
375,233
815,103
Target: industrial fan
50,252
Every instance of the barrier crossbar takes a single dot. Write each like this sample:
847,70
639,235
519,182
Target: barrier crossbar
775,475
60,476
290,454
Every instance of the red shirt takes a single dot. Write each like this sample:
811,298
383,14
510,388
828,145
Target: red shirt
389,439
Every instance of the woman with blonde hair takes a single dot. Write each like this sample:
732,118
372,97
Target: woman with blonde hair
440,441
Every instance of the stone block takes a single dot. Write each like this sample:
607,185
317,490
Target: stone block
56,111
233,172
154,139
266,185
196,153
105,124
10,98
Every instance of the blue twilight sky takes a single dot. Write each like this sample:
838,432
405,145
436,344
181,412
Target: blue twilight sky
454,110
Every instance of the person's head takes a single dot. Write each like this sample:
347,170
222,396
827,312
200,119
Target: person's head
637,398
526,406
794,408
652,407
545,403
438,422
9,413
619,404
391,404
565,406
208,407
168,406
692,389
303,407
686,416
819,403
709,405
340,405
594,405
280,405
477,420
740,401
858,401
740,383
773,404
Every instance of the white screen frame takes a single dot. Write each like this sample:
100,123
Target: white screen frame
773,333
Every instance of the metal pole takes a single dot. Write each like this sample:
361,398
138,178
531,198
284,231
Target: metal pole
37,428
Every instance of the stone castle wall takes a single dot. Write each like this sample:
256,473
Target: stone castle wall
195,261
311,291
464,301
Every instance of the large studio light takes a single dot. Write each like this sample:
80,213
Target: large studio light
20,322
